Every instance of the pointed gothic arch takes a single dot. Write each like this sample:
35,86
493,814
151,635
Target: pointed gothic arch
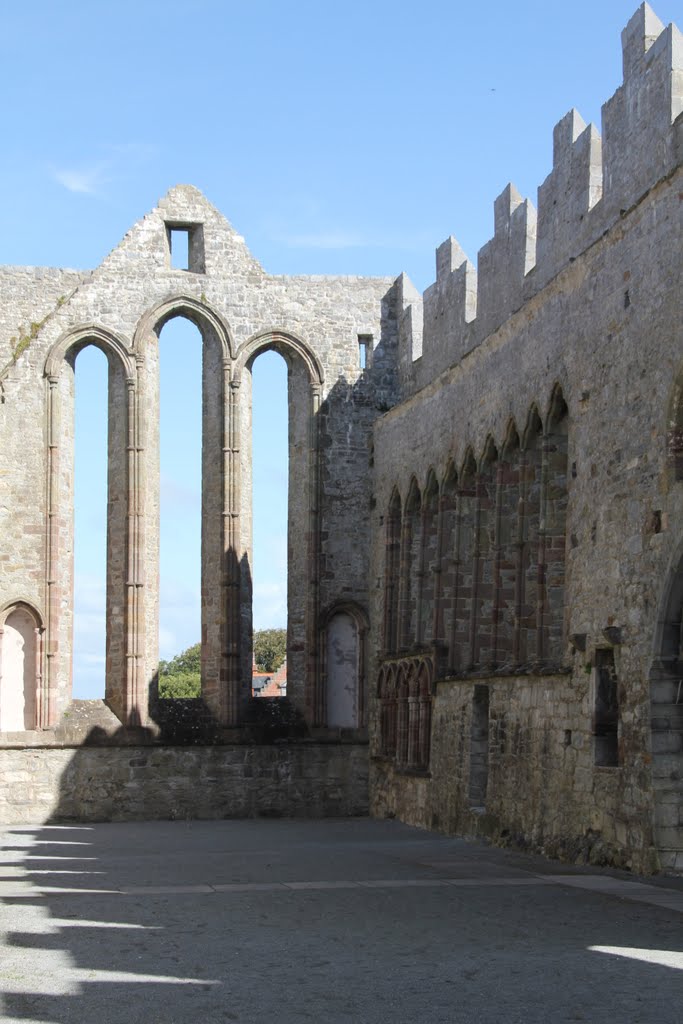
23,700
343,646
124,687
305,647
225,686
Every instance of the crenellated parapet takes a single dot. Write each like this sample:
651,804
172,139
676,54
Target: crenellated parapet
595,180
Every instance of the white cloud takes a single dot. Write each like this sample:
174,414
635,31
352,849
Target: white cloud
90,178
85,180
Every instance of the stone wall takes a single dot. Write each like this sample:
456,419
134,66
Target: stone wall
240,311
552,578
142,783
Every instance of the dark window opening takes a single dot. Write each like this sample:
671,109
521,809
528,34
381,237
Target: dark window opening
479,748
606,716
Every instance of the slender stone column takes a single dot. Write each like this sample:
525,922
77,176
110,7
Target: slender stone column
231,682
314,667
49,702
40,709
133,714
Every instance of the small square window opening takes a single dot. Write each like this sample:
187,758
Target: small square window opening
186,247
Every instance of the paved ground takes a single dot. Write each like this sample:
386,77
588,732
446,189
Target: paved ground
339,921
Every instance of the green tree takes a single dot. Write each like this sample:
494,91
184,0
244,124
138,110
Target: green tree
270,649
181,676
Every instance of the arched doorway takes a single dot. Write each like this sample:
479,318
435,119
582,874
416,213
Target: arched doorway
346,628
21,659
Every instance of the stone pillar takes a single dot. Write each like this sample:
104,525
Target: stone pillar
52,596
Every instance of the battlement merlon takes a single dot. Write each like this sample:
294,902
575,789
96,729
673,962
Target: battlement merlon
571,190
449,307
410,321
639,144
456,281
642,31
505,260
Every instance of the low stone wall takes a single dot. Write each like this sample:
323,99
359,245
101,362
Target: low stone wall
311,780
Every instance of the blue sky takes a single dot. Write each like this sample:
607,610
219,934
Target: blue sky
348,138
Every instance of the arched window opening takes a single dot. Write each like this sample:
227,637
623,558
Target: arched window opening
402,718
96,488
553,534
464,566
528,595
180,508
430,569
343,671
424,690
446,610
388,712
301,428
410,567
270,484
507,553
392,573
482,634
413,718
20,671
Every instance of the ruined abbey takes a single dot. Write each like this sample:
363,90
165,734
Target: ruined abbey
485,580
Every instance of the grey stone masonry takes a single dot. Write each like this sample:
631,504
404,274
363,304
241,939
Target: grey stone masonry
528,531
48,316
